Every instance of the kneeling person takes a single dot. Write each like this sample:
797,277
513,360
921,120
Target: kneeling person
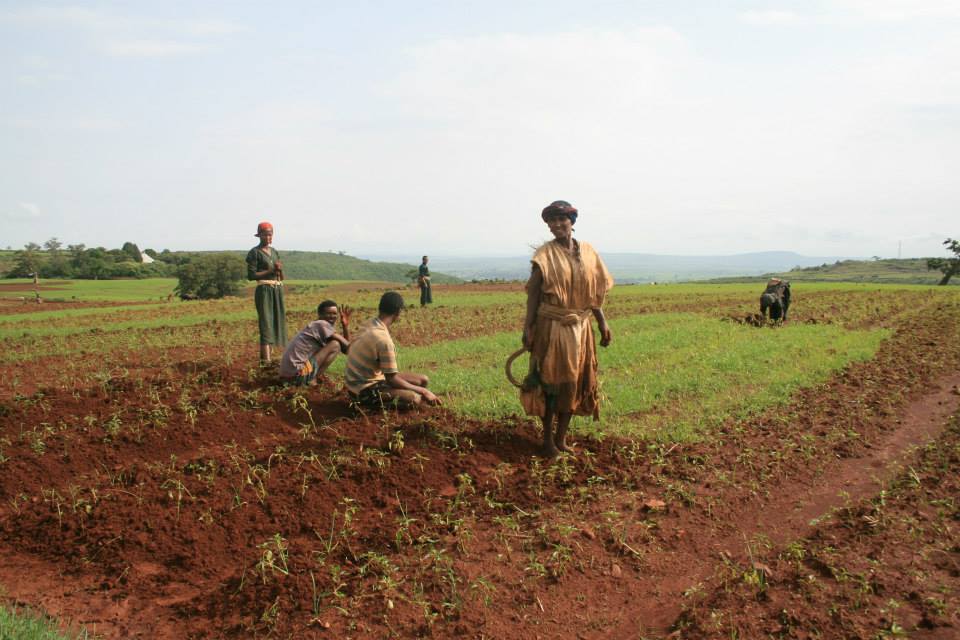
315,348
372,376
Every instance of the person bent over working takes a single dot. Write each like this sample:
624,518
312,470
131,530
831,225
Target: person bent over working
317,346
372,376
775,300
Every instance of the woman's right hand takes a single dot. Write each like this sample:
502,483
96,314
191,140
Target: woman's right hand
527,339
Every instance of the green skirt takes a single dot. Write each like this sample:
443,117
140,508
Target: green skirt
271,314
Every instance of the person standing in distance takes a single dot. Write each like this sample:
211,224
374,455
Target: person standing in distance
423,281
264,266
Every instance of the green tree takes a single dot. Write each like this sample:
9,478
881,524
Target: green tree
26,262
132,250
56,265
949,267
210,276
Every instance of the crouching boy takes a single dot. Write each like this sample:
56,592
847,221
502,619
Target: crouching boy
312,351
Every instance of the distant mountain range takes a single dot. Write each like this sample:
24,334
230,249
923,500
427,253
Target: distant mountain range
630,267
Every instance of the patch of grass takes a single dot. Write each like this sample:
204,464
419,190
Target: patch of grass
665,375
23,624
132,289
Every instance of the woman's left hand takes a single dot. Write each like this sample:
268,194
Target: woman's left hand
605,335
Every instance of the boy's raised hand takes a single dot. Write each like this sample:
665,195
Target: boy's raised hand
345,314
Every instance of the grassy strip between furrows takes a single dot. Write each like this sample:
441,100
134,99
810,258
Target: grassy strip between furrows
23,624
665,375
455,306
303,297
132,289
301,308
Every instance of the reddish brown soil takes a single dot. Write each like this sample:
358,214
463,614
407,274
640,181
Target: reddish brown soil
46,285
146,505
29,305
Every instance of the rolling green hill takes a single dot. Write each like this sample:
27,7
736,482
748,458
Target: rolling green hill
300,265
322,265
891,271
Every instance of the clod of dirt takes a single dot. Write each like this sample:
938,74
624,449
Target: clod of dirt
616,571
448,491
653,504
588,533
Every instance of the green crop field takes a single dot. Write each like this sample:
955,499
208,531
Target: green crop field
665,376
124,290
677,364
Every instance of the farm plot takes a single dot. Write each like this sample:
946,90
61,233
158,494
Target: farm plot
154,484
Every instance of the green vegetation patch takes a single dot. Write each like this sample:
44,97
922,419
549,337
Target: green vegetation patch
23,624
666,375
132,289
889,271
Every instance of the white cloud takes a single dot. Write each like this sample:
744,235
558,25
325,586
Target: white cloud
23,211
211,28
151,48
771,16
549,76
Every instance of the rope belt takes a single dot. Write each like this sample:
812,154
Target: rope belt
565,317
271,283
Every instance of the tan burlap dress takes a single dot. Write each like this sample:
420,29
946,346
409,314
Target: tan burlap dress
563,362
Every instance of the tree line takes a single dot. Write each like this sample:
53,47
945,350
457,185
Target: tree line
53,260
206,275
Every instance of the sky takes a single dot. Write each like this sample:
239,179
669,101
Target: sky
829,128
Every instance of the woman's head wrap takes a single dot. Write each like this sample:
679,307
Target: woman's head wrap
560,207
263,226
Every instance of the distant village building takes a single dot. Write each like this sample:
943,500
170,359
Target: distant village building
145,259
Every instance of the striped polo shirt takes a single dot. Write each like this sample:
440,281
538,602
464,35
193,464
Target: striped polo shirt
371,355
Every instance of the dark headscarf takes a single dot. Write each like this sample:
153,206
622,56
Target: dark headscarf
560,207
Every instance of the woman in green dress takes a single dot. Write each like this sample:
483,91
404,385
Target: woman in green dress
263,265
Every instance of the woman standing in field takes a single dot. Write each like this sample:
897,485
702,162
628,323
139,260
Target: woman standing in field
568,283
263,265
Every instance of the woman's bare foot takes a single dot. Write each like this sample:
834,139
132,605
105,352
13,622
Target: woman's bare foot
563,446
549,450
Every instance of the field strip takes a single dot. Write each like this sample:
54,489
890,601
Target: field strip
665,375
85,312
853,542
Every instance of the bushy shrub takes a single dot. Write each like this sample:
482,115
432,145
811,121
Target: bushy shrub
210,276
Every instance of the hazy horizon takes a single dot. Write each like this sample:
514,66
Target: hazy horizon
823,128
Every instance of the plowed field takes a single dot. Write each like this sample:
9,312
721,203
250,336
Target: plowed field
154,483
